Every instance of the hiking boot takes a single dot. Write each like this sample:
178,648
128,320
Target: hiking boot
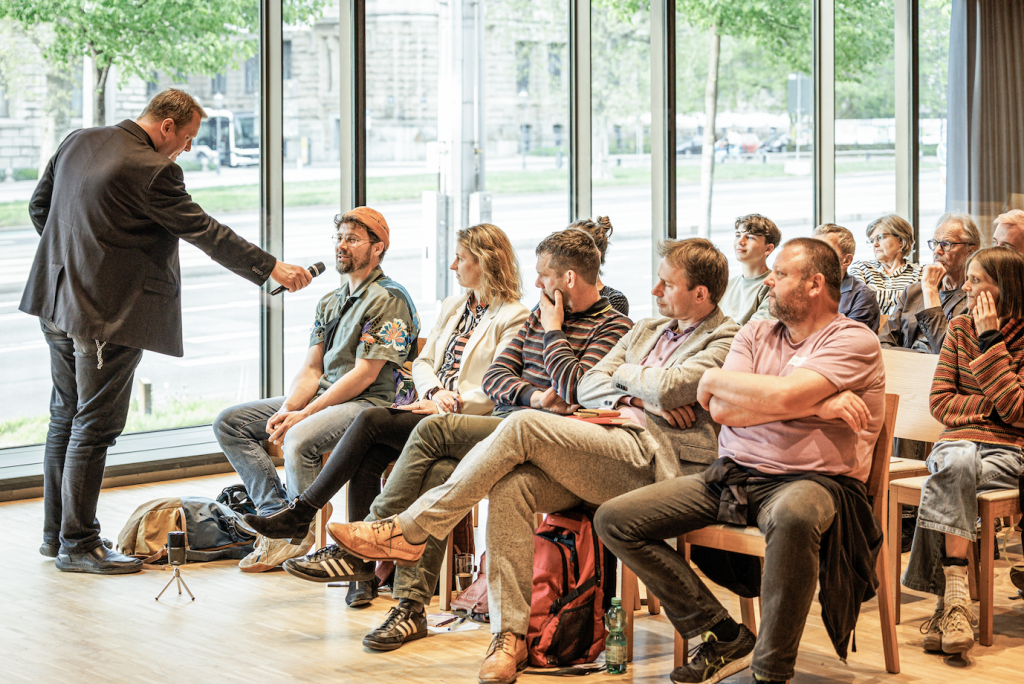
505,658
270,553
380,540
714,660
405,622
931,631
329,564
957,631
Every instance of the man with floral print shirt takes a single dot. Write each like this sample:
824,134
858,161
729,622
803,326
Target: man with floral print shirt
362,334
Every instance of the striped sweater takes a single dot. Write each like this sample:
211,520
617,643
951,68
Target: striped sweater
535,360
978,388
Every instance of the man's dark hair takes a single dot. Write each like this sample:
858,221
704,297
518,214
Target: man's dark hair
820,257
340,219
572,249
755,224
703,263
173,104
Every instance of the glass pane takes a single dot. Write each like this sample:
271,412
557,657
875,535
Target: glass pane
933,65
865,133
760,113
512,142
621,124
43,100
312,168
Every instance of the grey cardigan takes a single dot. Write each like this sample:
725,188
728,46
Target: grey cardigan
675,452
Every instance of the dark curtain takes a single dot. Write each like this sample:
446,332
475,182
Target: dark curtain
985,116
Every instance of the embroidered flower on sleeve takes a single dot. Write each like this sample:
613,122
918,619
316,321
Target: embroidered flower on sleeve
316,331
394,334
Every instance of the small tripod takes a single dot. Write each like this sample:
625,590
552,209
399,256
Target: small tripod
181,583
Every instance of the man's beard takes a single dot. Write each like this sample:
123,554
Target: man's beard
352,265
791,311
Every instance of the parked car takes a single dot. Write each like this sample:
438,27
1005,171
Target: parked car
778,142
694,145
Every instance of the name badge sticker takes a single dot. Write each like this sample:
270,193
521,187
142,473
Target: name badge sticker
797,361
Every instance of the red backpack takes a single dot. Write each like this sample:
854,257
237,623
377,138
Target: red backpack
566,613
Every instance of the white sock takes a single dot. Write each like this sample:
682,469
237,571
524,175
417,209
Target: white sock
957,591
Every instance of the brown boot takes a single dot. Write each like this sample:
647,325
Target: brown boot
506,656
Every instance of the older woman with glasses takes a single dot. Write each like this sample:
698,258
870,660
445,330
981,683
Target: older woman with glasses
889,273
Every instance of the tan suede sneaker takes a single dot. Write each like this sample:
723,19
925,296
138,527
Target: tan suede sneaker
957,631
506,657
381,540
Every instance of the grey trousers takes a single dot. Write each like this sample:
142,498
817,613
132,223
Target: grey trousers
793,516
428,459
534,462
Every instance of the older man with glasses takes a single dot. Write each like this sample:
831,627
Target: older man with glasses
362,334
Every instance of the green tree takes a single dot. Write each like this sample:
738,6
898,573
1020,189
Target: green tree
143,36
782,31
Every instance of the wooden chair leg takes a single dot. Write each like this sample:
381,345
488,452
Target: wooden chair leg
973,578
747,614
886,615
653,604
986,570
679,650
895,554
319,531
446,574
476,515
629,594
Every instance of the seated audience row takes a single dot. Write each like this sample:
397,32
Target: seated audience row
800,368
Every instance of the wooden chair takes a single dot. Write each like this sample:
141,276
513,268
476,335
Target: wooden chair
751,541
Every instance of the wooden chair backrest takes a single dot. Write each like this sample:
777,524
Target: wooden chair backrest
878,480
882,320
909,375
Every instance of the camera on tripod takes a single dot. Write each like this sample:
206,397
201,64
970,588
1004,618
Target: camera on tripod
176,558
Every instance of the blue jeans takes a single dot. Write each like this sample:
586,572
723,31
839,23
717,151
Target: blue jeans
241,431
949,503
92,389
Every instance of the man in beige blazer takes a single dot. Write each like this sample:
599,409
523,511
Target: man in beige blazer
540,462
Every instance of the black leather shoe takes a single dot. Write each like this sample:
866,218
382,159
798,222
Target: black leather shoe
288,523
361,593
51,549
98,561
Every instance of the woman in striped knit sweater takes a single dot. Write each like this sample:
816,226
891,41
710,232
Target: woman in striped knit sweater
977,394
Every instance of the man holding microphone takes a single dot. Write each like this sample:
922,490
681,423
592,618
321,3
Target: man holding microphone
105,283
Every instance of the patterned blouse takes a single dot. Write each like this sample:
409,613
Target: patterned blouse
888,288
448,373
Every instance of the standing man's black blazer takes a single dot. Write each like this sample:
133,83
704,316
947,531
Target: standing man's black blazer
110,209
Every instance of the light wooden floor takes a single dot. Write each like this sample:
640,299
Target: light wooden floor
60,627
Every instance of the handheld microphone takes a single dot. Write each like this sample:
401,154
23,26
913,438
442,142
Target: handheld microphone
314,270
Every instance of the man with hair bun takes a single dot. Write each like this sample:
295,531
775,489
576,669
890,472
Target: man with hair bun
110,208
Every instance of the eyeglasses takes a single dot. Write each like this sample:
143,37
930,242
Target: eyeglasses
878,238
945,244
349,240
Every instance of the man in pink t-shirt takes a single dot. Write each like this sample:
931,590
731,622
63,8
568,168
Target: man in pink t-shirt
800,401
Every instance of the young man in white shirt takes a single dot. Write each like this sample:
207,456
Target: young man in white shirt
746,297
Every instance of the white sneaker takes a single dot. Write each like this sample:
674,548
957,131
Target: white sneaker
270,553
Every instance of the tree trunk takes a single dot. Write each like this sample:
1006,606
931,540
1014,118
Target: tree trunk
99,93
707,161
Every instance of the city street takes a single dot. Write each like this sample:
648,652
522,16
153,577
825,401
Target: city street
221,310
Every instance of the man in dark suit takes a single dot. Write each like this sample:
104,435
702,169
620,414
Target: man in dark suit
105,284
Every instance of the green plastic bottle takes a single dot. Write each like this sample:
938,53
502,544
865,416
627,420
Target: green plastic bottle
615,646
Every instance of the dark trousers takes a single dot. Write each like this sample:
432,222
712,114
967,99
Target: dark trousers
92,388
793,516
373,440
